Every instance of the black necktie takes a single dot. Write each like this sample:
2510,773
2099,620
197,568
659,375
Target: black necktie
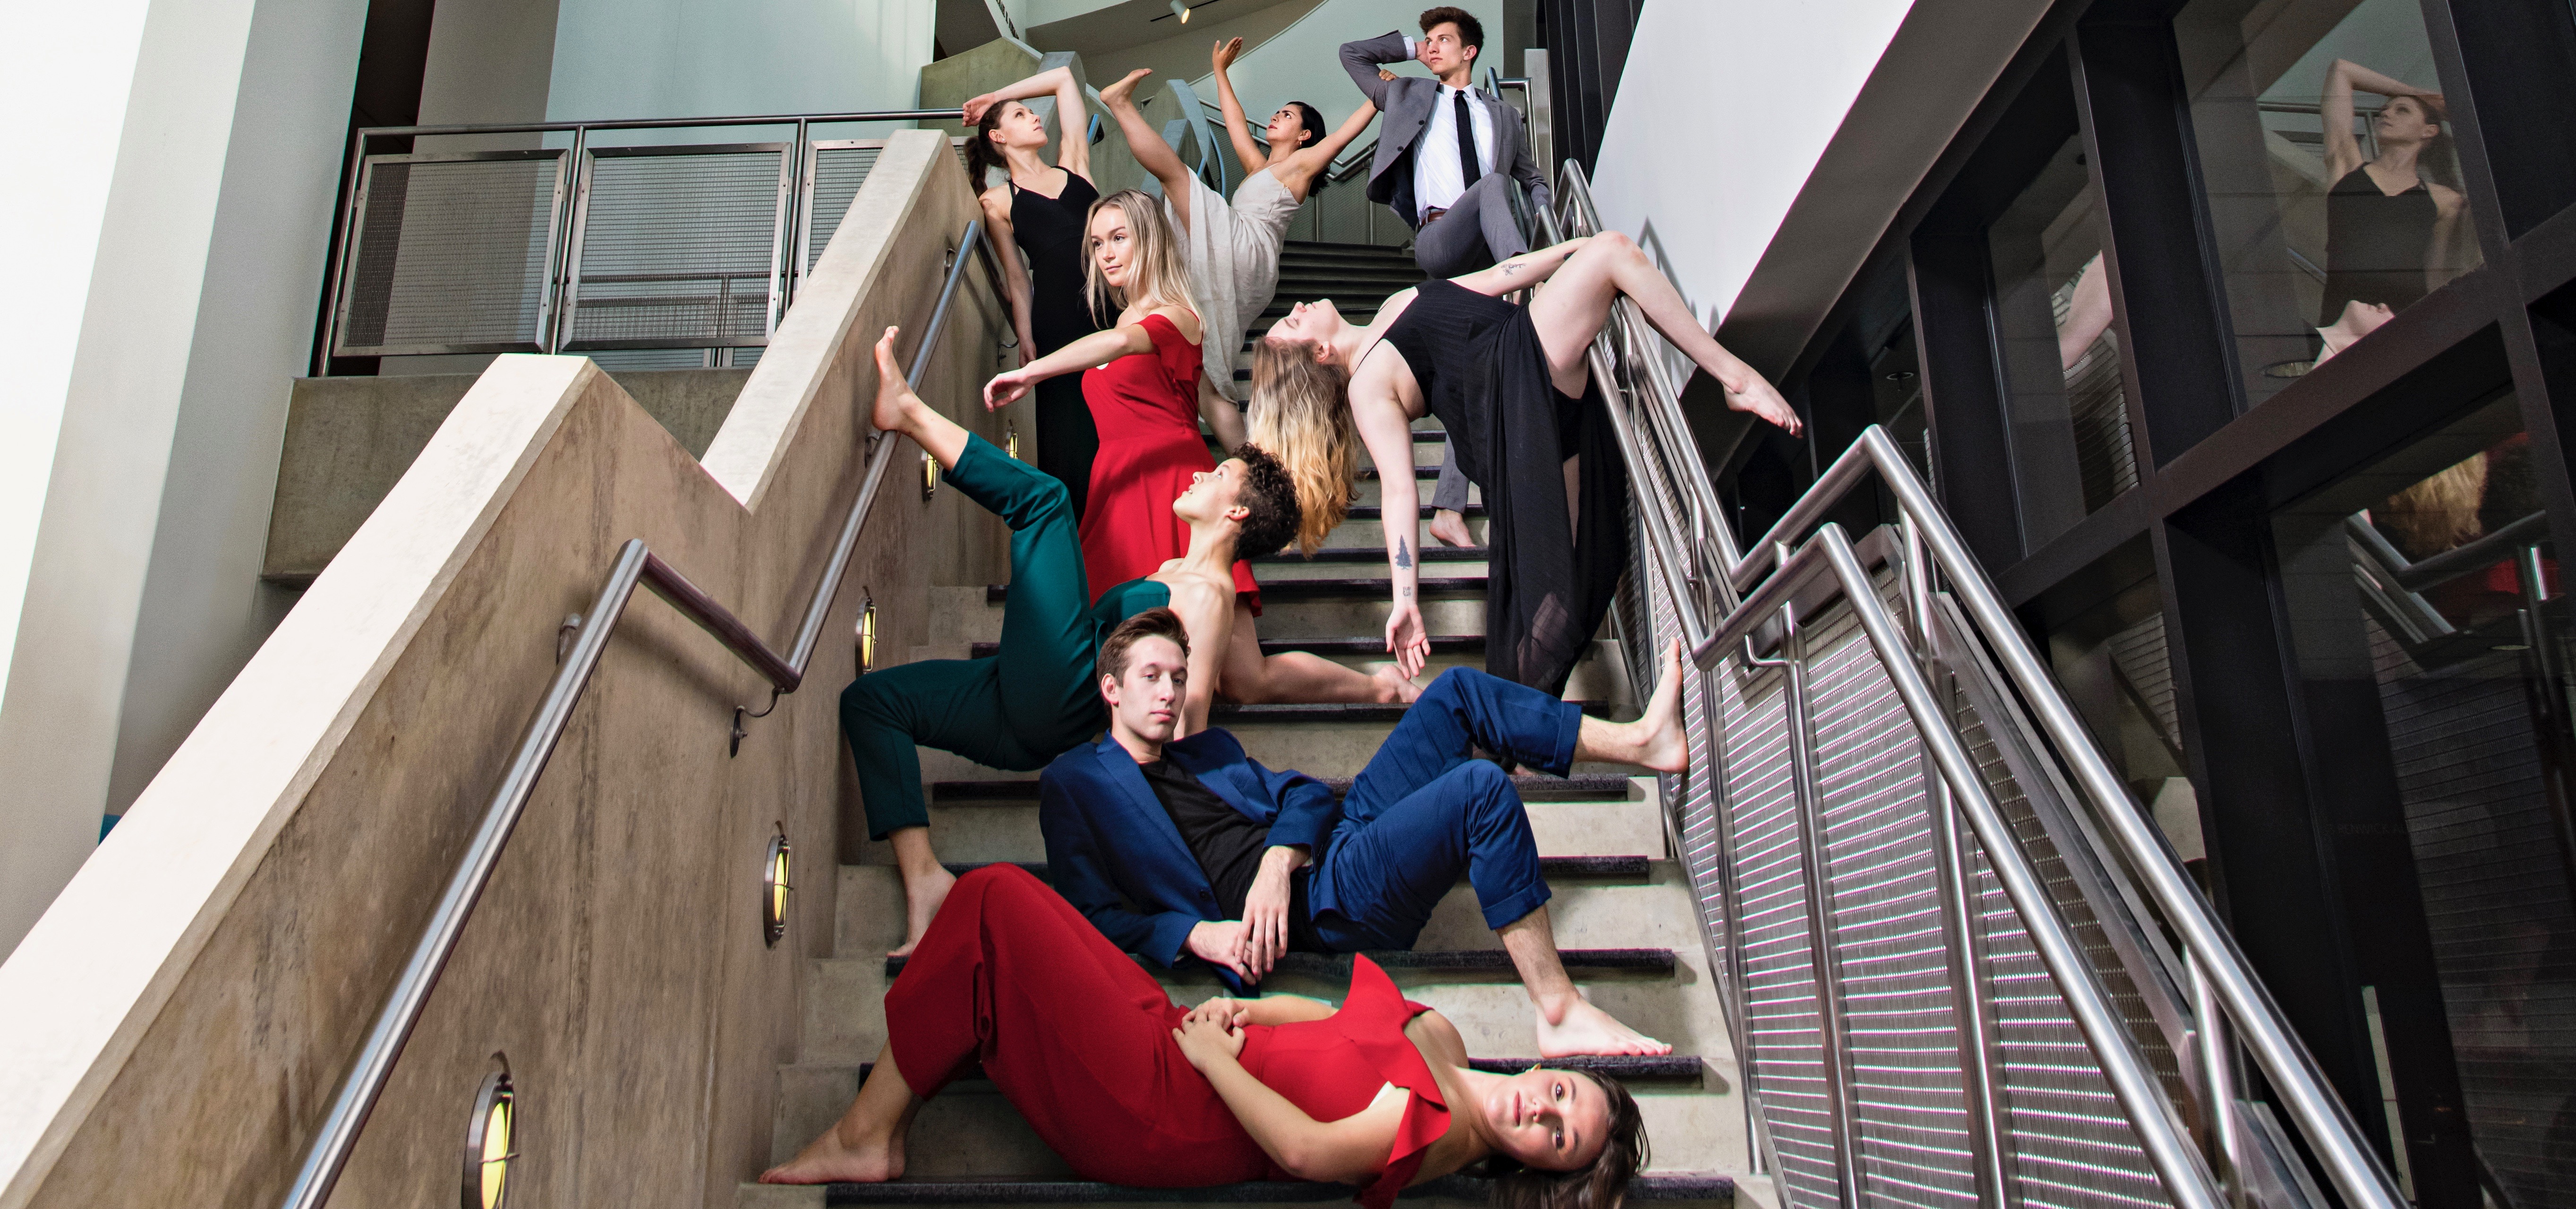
1468,171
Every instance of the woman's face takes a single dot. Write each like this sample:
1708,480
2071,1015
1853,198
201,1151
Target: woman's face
1286,130
1020,126
2405,120
1551,1120
1306,323
1113,248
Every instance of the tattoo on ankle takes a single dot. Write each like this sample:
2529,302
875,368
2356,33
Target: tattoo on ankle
1403,554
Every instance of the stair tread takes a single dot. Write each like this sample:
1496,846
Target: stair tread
1665,1068
1652,1186
1453,644
1372,512
1532,787
1553,868
1333,588
1377,554
1338,965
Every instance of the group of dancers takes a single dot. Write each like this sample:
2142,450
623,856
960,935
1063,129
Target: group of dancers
1132,608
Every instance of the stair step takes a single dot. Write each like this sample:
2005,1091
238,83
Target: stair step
1358,648
1533,788
1473,961
1553,868
1235,715
1371,512
1450,587
1677,1186
1366,554
1668,1068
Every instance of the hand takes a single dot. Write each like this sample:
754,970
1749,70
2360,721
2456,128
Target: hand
975,106
1007,388
1384,74
1221,943
1406,639
1265,908
1205,1042
1422,51
1225,52
1760,398
1223,1010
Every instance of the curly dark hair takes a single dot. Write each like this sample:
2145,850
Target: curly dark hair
1269,499
1597,1186
1471,32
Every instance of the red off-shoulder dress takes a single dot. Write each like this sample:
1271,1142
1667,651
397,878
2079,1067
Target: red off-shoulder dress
1146,407
1079,1038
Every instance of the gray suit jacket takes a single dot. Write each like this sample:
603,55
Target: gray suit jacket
1406,103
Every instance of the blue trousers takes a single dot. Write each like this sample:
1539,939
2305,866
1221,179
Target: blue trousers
1426,809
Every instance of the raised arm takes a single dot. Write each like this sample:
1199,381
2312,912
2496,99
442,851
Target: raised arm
2334,112
1361,60
1389,437
1344,1151
1238,130
1015,276
1073,152
1522,271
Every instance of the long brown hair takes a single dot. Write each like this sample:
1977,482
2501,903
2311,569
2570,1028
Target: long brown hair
1596,1186
1156,276
1301,413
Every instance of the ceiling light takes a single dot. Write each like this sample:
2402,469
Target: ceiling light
1181,11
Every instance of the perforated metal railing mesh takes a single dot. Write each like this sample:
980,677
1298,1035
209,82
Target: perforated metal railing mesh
838,172
676,250
449,256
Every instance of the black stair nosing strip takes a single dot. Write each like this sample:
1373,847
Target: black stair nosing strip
1553,868
1453,644
1356,588
1373,512
1532,787
1661,1068
1652,1186
1339,712
1473,961
1420,471
1365,554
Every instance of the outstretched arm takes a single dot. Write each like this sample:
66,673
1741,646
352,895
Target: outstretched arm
1073,118
1522,271
1344,1151
1237,130
1098,348
1389,438
1151,152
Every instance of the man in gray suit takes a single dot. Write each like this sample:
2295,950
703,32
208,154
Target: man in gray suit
1455,197
1438,152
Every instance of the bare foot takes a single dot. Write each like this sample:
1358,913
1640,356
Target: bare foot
1589,1030
833,1159
1451,529
922,895
1393,687
1663,744
894,393
1117,94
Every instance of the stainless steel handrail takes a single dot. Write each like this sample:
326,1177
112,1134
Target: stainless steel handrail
328,1154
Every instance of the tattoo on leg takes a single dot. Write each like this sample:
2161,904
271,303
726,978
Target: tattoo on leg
1403,554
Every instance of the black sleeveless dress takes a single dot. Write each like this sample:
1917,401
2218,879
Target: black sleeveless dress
1050,230
2376,244
1484,373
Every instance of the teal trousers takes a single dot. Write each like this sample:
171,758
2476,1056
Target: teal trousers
1017,709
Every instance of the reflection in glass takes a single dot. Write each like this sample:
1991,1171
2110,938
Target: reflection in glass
2429,578
2334,186
2061,363
2111,660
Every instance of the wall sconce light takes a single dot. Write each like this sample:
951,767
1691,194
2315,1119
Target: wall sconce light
490,1140
775,888
867,632
1011,439
929,475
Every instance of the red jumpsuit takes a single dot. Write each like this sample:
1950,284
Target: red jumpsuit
1079,1038
1147,411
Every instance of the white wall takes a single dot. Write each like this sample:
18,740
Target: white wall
1304,61
1703,170
142,590
701,58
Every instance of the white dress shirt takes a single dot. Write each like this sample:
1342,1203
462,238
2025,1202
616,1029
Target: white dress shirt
1437,178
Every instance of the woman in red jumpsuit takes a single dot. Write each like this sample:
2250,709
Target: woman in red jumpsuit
1131,1089
1141,379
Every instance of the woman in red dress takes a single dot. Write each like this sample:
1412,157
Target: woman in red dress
1131,1089
1141,379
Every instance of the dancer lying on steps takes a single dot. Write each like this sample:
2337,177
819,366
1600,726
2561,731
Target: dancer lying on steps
1184,847
1131,1089
1512,386
1033,700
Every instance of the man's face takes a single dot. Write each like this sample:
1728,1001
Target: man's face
1442,52
1212,494
1145,698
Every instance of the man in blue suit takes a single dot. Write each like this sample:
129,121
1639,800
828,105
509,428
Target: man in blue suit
1186,848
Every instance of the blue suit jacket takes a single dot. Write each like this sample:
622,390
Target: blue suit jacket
1114,854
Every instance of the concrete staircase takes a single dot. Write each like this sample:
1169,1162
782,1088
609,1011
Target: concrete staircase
1622,912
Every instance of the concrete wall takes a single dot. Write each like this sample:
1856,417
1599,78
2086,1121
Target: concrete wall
142,588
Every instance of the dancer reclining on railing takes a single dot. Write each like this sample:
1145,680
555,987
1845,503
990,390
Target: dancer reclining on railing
1513,387
1185,847
1232,250
1034,700
1141,380
1131,1089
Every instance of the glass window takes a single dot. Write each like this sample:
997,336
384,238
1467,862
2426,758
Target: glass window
2334,185
2111,660
2429,581
2061,363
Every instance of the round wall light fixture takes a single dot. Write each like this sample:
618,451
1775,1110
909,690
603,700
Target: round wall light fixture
867,633
491,1140
775,887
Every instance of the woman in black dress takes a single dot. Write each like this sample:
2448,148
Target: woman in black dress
2388,221
1513,388
1042,208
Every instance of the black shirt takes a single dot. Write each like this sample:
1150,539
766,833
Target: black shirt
1227,845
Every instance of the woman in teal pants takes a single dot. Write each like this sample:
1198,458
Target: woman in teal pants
1035,699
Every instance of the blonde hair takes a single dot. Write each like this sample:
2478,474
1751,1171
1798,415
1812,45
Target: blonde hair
2440,513
1158,266
1301,413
